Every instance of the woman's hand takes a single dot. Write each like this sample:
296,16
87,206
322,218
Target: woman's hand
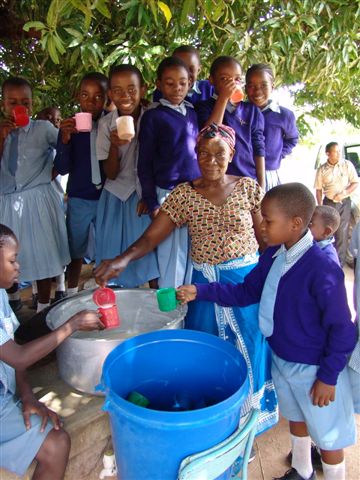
108,269
322,393
115,140
186,293
32,406
86,320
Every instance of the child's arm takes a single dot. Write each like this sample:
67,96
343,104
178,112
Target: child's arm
147,157
22,356
6,126
30,405
63,160
227,88
291,135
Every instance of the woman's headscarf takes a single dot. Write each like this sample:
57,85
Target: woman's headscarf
222,131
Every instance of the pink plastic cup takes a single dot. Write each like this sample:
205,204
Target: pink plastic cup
125,127
21,117
105,299
83,121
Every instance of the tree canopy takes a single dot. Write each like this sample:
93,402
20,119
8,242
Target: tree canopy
313,45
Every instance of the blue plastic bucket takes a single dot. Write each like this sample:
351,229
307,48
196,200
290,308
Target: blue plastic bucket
175,370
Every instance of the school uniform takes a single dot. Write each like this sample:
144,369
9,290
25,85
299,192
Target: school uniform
354,362
167,158
18,446
281,136
117,223
29,205
201,90
86,178
307,322
327,246
248,123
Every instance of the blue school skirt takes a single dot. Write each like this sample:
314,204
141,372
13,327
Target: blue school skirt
117,227
240,326
37,219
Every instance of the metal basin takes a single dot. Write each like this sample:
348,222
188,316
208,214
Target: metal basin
81,356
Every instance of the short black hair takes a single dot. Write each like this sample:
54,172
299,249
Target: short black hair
220,61
329,215
98,77
125,67
46,112
330,145
170,62
260,67
294,199
187,49
15,82
5,234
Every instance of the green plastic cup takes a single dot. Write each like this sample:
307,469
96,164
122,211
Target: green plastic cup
138,399
166,298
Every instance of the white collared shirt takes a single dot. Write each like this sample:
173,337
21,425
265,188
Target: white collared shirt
296,251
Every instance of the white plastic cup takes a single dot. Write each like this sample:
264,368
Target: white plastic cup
83,121
125,127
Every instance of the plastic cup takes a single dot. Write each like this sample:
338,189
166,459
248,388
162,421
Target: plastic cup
105,299
109,316
125,127
138,399
166,298
21,117
237,96
83,121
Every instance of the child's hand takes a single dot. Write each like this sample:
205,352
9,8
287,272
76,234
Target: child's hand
322,393
186,293
32,406
115,140
154,213
86,320
6,126
109,269
141,208
67,128
227,88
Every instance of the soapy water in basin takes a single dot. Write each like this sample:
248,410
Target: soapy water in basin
138,309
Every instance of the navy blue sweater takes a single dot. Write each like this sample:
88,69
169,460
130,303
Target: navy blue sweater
312,320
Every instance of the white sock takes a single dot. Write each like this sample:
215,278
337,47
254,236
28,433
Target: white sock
60,283
72,291
334,472
301,455
34,287
14,296
41,306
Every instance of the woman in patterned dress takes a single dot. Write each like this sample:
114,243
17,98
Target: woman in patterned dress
223,216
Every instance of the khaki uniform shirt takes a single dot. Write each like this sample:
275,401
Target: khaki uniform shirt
333,179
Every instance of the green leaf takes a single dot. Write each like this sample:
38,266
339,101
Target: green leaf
166,11
74,33
188,9
36,25
51,46
101,7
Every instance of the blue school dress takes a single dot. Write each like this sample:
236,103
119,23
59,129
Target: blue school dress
117,223
29,205
18,446
224,249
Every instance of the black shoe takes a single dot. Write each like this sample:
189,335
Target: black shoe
16,305
315,457
59,295
292,474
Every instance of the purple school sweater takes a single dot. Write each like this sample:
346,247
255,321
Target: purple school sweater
248,123
74,158
331,252
206,91
167,155
312,320
281,136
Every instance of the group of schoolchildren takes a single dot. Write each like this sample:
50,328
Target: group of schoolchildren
118,186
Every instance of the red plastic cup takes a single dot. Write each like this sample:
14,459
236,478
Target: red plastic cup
21,117
105,299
